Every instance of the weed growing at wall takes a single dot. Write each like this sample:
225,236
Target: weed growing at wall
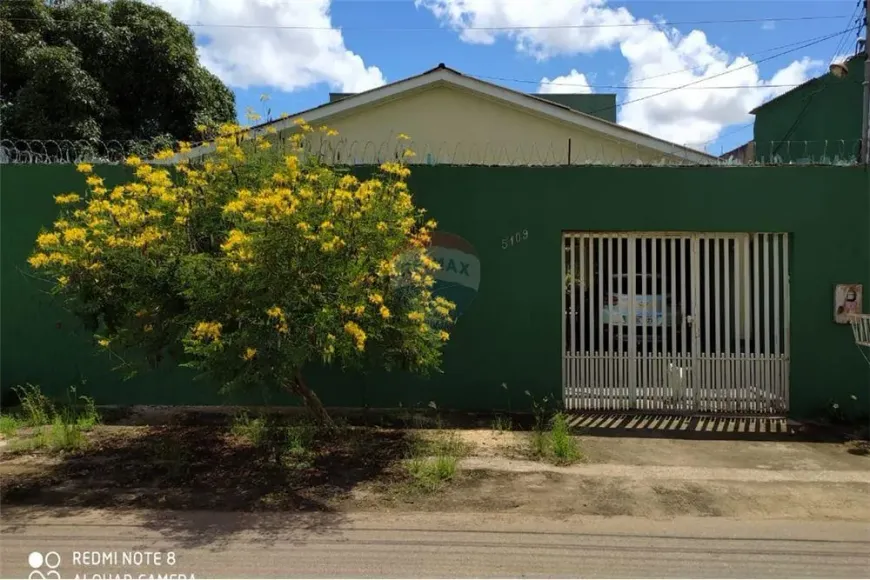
52,426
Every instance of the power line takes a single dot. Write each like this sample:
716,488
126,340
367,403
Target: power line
748,55
729,133
852,19
733,70
627,87
485,28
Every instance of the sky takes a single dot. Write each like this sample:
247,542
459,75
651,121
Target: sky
284,56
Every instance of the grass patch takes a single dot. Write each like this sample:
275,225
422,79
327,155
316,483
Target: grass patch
502,424
64,435
562,444
29,444
9,425
431,473
254,430
87,417
57,428
433,459
291,444
556,444
37,409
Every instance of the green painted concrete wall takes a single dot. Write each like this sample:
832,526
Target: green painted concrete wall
816,121
510,334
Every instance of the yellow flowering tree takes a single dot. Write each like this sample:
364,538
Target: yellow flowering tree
252,265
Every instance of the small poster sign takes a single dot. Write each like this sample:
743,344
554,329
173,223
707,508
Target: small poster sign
847,301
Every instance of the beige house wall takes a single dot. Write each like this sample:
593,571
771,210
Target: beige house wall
452,125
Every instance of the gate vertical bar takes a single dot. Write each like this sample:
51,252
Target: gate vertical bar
632,321
766,359
644,363
592,361
695,288
583,383
786,321
565,359
747,321
601,360
755,316
655,375
737,367
706,349
718,386
619,379
572,324
684,306
726,299
610,310
671,292
777,350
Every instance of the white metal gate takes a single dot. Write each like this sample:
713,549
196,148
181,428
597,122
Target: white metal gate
677,322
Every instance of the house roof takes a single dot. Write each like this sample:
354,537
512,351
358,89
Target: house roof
601,105
443,75
811,82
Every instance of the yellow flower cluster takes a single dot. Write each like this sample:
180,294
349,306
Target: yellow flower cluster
46,240
443,306
396,169
208,331
238,246
74,235
249,353
40,259
281,319
357,333
387,268
329,349
429,264
67,198
332,244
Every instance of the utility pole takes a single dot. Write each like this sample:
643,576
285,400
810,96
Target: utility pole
865,124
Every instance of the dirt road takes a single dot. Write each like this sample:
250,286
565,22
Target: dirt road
223,545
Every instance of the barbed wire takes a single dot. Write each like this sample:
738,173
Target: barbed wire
337,151
59,151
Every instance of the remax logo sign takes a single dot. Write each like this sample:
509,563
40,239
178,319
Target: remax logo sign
458,277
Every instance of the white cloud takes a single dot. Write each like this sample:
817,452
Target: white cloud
688,116
573,82
285,59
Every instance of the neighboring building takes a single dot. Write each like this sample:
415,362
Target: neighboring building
743,154
819,120
456,119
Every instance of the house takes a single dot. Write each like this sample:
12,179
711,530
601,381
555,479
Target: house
743,154
456,119
819,120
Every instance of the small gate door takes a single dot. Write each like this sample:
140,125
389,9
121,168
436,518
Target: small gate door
676,322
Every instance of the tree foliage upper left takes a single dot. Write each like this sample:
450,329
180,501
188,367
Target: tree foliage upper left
92,70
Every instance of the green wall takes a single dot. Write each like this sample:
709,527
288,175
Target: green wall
820,120
511,332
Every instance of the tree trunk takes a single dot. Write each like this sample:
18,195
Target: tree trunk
312,401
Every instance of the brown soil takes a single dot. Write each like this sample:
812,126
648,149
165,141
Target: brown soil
200,467
206,467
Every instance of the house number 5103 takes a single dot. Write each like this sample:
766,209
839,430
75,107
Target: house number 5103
514,239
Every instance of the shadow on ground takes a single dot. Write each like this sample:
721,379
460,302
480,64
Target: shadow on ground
171,474
701,427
